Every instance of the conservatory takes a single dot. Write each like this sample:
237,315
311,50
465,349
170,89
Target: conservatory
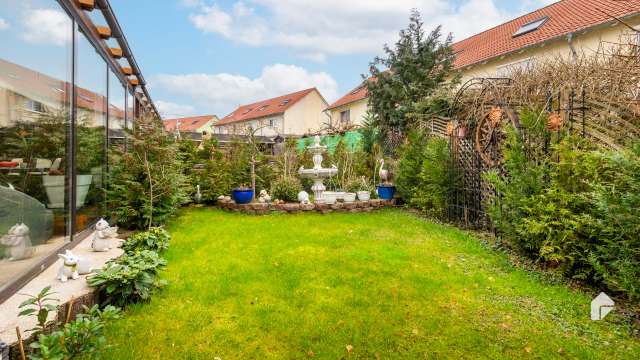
69,91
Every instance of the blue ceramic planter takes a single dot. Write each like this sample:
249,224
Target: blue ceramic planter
241,196
386,192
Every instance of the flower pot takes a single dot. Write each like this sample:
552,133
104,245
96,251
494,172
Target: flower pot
340,195
242,196
55,188
349,197
364,195
329,197
386,192
462,132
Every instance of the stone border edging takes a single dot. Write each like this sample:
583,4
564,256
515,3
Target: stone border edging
263,209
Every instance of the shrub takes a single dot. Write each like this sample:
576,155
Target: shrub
129,278
156,239
574,208
424,177
83,336
286,189
147,183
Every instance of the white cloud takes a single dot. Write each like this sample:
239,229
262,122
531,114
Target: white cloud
169,110
3,24
317,29
47,26
221,93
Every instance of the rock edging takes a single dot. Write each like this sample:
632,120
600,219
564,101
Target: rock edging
263,208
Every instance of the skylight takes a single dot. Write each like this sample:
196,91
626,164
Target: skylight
285,102
531,26
263,107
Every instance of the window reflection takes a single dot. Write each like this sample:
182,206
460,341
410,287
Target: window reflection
35,90
91,121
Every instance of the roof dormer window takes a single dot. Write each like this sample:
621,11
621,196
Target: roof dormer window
531,26
263,107
285,102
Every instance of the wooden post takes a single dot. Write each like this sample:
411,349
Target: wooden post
23,356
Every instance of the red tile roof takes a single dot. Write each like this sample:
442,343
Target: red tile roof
277,105
565,17
188,123
354,95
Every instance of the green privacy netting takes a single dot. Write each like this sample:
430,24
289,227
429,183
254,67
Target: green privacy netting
352,140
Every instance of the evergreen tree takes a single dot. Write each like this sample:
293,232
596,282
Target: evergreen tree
408,74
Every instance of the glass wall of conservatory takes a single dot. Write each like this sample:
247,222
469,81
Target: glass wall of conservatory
61,109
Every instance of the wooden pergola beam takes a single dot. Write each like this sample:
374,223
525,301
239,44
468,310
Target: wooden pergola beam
87,5
116,52
134,81
103,31
127,71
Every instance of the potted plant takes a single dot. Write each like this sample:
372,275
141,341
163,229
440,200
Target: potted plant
242,194
363,190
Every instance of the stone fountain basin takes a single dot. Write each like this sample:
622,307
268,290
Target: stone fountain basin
311,173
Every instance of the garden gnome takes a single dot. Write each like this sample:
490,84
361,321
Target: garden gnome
69,268
103,236
18,242
303,197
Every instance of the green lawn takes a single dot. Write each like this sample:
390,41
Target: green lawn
384,285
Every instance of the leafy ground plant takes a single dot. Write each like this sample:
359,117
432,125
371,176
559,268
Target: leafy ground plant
40,306
83,336
385,285
156,239
129,278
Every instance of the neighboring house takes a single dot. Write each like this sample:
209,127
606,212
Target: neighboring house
566,28
26,95
350,110
294,114
202,125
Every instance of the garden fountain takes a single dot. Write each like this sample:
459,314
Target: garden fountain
318,173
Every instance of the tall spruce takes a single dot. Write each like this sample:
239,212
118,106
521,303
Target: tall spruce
409,73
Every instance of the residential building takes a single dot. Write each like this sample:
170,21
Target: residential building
351,109
294,114
65,97
566,28
195,128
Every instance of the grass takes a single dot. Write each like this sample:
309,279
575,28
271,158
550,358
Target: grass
363,286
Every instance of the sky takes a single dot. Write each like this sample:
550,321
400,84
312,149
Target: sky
203,57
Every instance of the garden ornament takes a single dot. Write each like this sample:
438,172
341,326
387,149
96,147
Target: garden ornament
69,268
303,197
102,238
383,173
264,197
18,242
198,195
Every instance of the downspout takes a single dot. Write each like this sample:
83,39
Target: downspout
574,53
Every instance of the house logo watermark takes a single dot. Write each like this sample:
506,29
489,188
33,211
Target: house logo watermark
601,306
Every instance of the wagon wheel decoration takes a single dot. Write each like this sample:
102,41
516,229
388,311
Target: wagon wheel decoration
490,134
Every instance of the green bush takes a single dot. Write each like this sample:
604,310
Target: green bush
286,189
424,177
147,184
574,208
81,337
156,239
129,278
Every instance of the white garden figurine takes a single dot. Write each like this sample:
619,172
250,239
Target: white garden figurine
264,197
69,268
303,197
102,238
18,242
